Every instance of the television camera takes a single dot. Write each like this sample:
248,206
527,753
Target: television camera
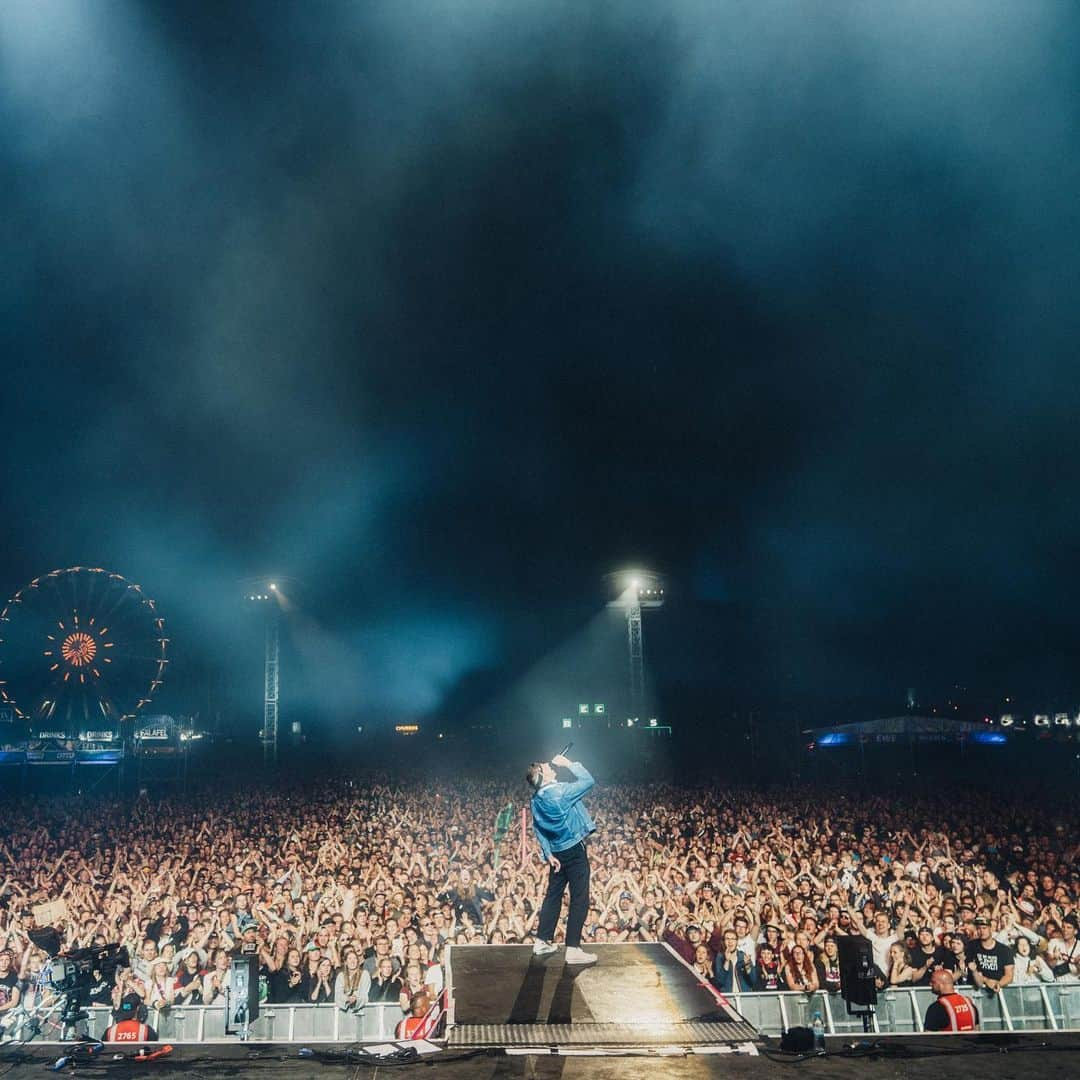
76,975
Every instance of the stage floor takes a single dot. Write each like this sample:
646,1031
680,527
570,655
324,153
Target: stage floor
1050,1057
635,995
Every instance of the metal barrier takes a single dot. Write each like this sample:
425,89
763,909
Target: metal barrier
1043,1007
376,1022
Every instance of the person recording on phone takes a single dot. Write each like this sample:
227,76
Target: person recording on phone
561,824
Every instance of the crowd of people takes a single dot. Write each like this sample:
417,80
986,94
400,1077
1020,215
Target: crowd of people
348,890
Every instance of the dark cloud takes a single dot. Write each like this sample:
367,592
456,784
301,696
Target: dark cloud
445,309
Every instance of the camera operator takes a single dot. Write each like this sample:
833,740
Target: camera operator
129,1022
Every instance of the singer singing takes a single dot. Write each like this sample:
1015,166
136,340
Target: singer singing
562,823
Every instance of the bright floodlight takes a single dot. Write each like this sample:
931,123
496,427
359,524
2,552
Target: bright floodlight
272,585
635,585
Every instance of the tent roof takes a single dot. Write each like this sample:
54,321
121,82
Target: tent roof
902,725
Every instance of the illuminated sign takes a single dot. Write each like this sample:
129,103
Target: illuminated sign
152,733
599,709
583,710
52,735
406,729
50,757
567,722
1039,720
98,736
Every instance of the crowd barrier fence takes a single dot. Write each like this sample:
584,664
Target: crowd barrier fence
900,1010
276,1023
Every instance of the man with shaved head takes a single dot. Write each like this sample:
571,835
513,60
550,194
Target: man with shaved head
951,1011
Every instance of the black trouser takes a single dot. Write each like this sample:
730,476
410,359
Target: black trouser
573,871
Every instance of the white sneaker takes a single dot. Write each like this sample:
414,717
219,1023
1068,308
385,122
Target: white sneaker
544,948
579,956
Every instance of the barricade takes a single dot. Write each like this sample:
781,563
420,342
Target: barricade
1043,1007
376,1022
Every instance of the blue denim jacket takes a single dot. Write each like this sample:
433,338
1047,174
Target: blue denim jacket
559,818
725,976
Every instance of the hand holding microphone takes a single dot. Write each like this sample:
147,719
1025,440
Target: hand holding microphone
560,758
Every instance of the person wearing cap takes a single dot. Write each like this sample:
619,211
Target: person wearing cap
129,1022
685,943
990,962
951,1011
828,966
926,956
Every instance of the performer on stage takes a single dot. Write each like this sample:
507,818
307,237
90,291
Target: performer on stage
562,823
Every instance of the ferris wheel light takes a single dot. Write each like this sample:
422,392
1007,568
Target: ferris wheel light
72,654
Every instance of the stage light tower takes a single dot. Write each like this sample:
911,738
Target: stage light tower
635,591
267,598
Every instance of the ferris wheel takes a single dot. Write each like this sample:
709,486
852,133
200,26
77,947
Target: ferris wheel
80,648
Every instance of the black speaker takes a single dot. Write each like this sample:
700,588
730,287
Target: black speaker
856,971
797,1040
243,991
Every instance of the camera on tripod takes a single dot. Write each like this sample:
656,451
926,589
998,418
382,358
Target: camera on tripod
82,969
75,975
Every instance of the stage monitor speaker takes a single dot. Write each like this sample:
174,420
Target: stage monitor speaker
243,996
797,1040
857,971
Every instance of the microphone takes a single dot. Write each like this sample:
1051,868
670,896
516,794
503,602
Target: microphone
562,752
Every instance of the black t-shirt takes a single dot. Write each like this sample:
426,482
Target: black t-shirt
828,973
9,983
937,957
385,991
991,960
190,980
282,993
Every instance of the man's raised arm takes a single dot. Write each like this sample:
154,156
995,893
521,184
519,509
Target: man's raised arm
577,788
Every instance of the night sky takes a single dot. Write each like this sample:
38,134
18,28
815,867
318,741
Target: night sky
445,308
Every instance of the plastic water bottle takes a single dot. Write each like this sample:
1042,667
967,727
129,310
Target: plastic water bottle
819,1033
